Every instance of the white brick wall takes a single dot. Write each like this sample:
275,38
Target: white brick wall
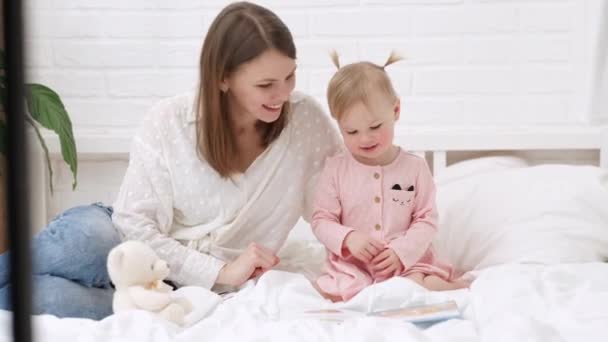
468,61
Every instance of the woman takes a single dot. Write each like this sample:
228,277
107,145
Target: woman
216,180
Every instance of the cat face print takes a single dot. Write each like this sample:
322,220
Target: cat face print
402,197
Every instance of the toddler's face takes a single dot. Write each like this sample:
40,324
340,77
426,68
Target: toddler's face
368,130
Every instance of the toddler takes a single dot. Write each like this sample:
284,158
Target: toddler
375,208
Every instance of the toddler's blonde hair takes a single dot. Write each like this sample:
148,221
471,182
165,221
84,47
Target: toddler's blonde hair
355,82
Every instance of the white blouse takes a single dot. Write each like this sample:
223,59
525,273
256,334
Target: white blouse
198,221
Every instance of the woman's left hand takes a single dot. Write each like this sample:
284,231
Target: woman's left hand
387,263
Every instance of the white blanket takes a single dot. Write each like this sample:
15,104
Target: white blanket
567,302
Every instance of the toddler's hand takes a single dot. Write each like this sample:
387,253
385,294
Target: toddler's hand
387,263
362,247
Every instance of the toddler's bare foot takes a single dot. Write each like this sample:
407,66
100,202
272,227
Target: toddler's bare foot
434,283
326,295
457,284
463,283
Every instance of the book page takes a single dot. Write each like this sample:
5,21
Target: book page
421,313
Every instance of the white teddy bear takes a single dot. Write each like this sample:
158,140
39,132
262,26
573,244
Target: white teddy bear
138,273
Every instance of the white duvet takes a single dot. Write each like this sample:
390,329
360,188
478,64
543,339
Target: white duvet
517,302
553,220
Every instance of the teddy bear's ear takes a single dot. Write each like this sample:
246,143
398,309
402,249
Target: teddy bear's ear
115,258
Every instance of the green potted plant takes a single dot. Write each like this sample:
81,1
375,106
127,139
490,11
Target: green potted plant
45,108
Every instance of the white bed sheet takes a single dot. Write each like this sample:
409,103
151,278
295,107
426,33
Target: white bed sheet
566,302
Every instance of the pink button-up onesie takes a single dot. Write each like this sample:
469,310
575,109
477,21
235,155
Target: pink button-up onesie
393,203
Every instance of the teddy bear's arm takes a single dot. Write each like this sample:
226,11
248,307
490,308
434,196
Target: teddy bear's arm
163,287
149,299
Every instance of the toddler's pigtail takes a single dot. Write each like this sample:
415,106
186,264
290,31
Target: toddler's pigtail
335,59
394,57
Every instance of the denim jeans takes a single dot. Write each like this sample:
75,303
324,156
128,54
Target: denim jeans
70,278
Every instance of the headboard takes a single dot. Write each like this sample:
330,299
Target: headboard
421,139
439,141
112,144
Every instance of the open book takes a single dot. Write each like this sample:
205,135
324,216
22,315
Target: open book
415,314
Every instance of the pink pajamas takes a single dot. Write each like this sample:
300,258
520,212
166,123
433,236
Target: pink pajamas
394,204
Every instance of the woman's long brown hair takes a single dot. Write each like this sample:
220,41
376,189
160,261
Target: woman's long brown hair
241,32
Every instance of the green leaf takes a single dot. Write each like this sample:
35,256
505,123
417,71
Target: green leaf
44,148
46,108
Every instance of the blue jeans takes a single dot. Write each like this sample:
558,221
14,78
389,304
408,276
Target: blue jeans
70,278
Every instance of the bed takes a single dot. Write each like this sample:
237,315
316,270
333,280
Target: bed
534,238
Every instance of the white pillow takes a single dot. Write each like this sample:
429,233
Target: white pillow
472,167
544,214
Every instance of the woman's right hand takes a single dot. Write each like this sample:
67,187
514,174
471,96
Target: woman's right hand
362,247
255,260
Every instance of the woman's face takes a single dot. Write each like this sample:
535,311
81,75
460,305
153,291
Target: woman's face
259,88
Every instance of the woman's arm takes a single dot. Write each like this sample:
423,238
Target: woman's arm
144,211
254,261
325,142
144,207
